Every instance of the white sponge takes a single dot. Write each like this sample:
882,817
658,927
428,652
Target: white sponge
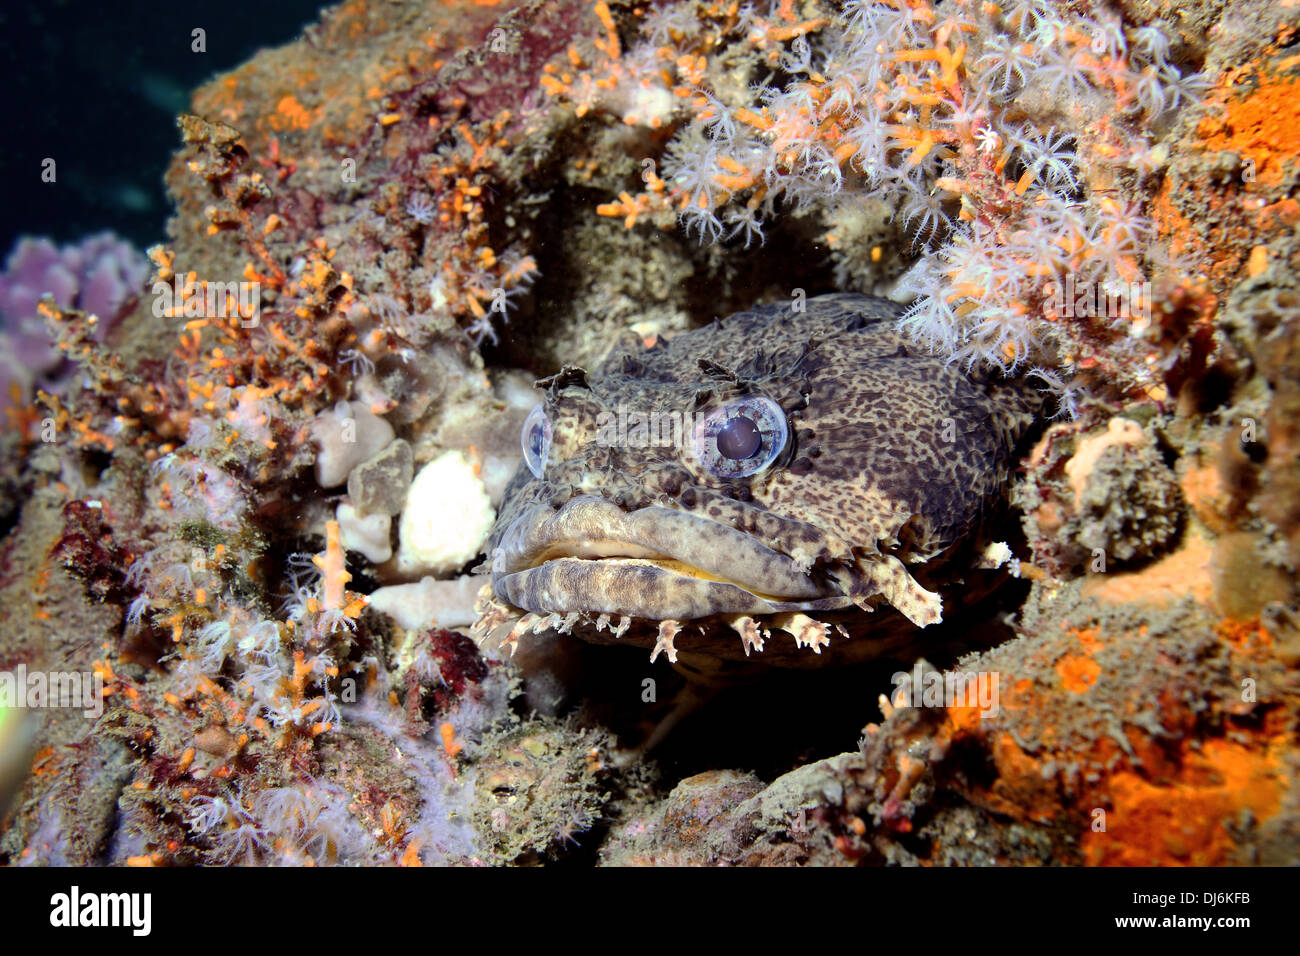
430,602
365,533
446,519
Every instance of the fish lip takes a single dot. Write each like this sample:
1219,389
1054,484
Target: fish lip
654,562
636,588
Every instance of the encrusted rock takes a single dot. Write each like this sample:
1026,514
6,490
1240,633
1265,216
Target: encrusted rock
1128,503
346,435
1106,493
378,485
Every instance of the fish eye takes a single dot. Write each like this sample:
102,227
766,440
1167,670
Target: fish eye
741,438
535,439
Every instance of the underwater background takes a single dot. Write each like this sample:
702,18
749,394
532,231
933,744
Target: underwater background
100,89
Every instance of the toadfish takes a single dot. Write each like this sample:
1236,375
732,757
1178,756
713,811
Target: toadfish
752,487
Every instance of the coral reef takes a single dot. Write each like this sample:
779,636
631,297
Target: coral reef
385,231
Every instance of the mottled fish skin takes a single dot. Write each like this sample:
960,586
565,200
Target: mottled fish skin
893,458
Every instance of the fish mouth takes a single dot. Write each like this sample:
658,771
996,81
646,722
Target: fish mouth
589,555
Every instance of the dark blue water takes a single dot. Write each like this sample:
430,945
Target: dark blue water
95,86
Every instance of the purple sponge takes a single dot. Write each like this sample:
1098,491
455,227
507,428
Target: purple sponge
102,275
